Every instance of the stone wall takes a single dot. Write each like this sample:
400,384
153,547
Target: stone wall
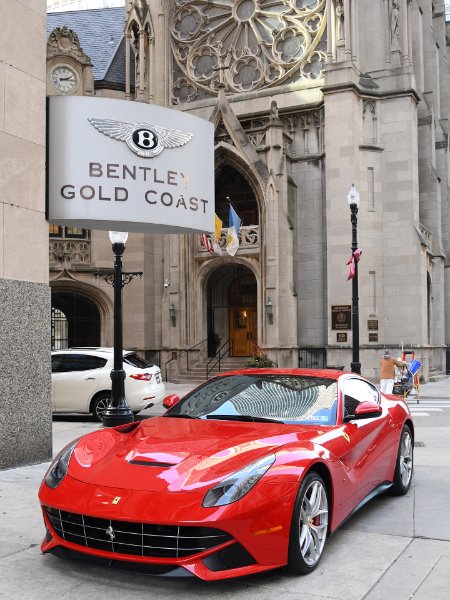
25,409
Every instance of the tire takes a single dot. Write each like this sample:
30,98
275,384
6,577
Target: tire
404,465
99,405
309,526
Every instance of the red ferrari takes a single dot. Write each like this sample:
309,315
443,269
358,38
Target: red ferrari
251,471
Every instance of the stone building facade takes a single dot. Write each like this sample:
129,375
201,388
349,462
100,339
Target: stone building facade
307,97
25,408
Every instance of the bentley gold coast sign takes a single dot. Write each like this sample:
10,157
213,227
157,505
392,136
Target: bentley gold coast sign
128,166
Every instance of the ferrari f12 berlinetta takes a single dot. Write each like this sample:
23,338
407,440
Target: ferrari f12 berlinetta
251,471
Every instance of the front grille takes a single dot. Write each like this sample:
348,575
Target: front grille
136,539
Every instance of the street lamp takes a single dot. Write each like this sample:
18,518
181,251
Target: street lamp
269,310
173,314
118,411
353,200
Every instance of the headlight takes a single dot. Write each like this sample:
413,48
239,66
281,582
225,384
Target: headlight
235,486
58,468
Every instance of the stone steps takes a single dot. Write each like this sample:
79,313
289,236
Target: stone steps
197,373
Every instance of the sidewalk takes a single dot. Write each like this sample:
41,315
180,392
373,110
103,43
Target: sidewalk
394,548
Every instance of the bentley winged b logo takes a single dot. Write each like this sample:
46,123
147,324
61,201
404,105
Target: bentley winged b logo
143,139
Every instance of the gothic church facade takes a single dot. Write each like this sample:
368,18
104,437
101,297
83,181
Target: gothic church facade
307,97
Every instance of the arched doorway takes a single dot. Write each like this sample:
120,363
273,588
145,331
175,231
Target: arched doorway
75,321
232,310
231,184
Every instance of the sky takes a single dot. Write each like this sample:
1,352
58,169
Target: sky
63,5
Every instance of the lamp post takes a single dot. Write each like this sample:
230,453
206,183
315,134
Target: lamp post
353,200
118,411
269,310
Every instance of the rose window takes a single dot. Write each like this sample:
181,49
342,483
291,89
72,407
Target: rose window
244,45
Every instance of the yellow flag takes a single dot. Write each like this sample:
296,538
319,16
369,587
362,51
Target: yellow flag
217,227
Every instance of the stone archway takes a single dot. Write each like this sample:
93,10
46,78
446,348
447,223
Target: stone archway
82,313
232,309
80,320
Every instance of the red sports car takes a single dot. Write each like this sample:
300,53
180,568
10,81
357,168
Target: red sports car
250,471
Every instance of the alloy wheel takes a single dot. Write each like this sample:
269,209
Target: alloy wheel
313,522
406,457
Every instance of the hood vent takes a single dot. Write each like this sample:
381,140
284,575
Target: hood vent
149,463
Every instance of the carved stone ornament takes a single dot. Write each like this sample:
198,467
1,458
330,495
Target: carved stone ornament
63,40
245,45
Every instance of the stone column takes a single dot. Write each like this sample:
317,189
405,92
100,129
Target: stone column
347,28
141,64
404,32
330,29
127,66
151,70
279,257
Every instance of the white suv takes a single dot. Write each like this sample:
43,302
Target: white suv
81,381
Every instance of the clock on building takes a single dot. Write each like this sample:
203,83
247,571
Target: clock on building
64,79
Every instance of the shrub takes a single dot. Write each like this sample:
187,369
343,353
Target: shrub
260,361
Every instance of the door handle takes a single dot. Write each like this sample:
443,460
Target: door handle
89,378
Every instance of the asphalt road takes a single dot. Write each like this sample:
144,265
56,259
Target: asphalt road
393,549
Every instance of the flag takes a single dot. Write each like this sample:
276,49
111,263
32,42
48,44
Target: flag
217,233
356,255
217,227
233,232
207,243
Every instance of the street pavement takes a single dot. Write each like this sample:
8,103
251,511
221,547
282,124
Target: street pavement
393,549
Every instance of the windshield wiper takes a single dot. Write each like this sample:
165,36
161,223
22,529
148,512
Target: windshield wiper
180,416
243,418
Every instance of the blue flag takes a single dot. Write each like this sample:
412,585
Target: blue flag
233,232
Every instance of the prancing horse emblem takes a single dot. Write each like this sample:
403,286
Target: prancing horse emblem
110,533
143,139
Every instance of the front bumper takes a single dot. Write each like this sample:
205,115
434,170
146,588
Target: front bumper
256,528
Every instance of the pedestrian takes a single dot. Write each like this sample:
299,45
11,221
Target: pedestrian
387,371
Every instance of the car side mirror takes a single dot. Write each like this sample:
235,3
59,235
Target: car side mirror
171,400
367,410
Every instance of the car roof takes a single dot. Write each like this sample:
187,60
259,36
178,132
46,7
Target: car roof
325,373
88,350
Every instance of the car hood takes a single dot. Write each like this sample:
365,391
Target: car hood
168,454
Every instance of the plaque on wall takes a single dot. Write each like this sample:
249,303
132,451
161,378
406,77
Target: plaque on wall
372,324
373,337
341,337
341,317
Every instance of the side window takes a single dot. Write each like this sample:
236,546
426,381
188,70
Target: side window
356,391
82,362
56,363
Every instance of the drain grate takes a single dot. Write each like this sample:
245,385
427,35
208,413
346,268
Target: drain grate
419,445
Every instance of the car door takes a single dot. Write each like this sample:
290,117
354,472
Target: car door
75,381
369,437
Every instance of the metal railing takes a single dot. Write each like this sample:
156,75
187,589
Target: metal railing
180,354
224,349
312,358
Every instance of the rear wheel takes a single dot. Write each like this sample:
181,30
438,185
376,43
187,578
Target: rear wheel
99,405
405,463
309,525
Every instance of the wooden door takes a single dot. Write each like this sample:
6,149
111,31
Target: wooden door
243,330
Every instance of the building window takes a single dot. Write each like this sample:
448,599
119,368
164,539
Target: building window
70,233
55,230
59,330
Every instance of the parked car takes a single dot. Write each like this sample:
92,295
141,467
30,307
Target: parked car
251,471
81,381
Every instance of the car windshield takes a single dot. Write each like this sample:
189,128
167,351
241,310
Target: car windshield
283,398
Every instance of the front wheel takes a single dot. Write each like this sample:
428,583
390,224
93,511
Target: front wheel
405,463
309,525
